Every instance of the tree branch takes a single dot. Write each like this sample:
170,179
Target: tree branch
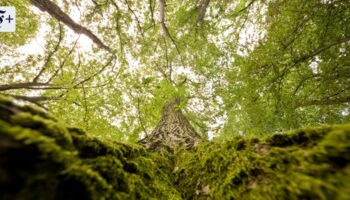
26,85
164,27
168,65
50,55
56,12
151,8
162,18
203,8
95,74
248,6
320,50
327,102
137,19
140,118
64,61
33,99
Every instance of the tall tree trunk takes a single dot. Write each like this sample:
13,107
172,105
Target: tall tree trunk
173,130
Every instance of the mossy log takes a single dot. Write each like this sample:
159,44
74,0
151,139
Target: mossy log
41,158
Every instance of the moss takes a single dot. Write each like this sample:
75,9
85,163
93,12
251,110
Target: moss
76,131
41,158
8,107
47,127
300,137
29,161
80,181
312,163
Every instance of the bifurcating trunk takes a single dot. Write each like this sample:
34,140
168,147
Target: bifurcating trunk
173,130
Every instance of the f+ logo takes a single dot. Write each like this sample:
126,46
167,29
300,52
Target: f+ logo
9,18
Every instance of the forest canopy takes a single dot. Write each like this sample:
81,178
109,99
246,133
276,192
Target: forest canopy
240,67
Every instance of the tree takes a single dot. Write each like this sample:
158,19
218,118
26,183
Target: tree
240,60
174,74
173,130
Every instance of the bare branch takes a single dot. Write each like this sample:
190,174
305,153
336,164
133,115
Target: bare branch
44,86
95,3
56,12
248,6
162,18
118,28
151,8
137,19
164,27
203,8
311,54
168,65
302,82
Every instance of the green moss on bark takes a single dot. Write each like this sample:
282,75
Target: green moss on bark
41,158
304,164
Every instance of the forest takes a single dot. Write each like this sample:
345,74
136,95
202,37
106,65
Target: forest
168,99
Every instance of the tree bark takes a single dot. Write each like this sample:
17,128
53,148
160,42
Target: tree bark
41,158
173,130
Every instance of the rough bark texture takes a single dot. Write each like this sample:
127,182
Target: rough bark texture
173,130
43,159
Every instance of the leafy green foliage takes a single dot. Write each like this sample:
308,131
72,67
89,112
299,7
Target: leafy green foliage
249,67
294,77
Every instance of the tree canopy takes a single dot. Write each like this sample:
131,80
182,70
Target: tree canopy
243,67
